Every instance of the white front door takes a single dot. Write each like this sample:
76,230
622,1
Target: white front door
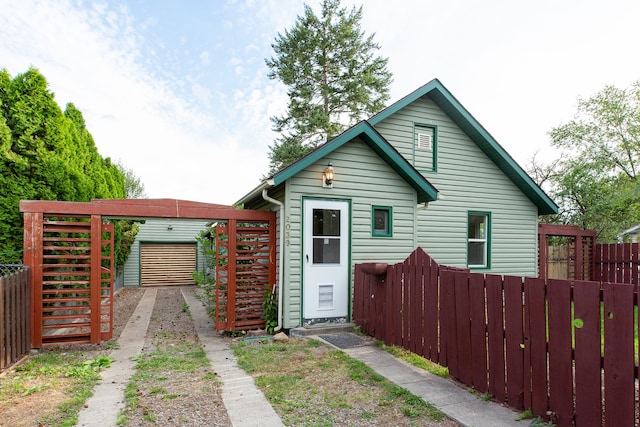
326,259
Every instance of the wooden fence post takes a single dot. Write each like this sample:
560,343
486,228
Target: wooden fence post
588,375
535,340
231,275
560,360
619,393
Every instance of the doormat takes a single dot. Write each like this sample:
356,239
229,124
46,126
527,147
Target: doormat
346,340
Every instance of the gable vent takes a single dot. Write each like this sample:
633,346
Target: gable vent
424,141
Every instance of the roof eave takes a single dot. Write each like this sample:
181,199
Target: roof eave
456,111
426,192
255,193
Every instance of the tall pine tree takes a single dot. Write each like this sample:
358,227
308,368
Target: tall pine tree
333,76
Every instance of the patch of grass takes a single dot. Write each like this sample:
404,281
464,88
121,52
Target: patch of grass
89,368
309,383
149,416
539,422
131,400
74,373
181,357
526,415
170,396
368,415
156,390
414,359
71,407
35,389
413,406
170,357
483,396
211,376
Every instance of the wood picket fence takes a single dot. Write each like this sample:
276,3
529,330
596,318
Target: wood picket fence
564,349
15,304
616,262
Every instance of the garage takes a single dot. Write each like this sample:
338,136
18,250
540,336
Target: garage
167,263
165,252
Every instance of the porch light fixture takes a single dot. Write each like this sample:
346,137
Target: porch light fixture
328,176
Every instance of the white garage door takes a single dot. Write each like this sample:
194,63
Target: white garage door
167,263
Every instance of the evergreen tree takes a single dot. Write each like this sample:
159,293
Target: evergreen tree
333,77
45,154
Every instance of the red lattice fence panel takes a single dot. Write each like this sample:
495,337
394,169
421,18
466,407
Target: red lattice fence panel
72,278
245,270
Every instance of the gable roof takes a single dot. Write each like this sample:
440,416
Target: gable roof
363,130
461,117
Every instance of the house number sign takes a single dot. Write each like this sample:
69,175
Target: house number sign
287,230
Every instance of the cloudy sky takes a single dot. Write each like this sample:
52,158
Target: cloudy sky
177,90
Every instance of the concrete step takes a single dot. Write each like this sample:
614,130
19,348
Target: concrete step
321,329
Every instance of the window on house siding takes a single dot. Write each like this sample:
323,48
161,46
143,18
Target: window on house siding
478,236
381,221
425,147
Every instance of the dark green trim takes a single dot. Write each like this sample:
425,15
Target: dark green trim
365,132
349,272
349,246
488,215
450,105
389,211
434,146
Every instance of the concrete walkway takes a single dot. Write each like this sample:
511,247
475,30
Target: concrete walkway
108,397
455,401
245,403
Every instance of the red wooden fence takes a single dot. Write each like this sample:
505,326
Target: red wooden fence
616,263
563,348
15,308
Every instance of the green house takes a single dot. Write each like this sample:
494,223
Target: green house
423,172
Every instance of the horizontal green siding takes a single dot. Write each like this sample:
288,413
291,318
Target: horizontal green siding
467,180
364,178
156,230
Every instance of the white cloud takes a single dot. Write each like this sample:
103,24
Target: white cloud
134,116
201,93
518,67
205,58
203,135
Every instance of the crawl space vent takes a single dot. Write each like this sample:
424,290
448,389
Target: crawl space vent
325,296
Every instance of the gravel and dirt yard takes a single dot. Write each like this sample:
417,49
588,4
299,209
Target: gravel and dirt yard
174,384
35,393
